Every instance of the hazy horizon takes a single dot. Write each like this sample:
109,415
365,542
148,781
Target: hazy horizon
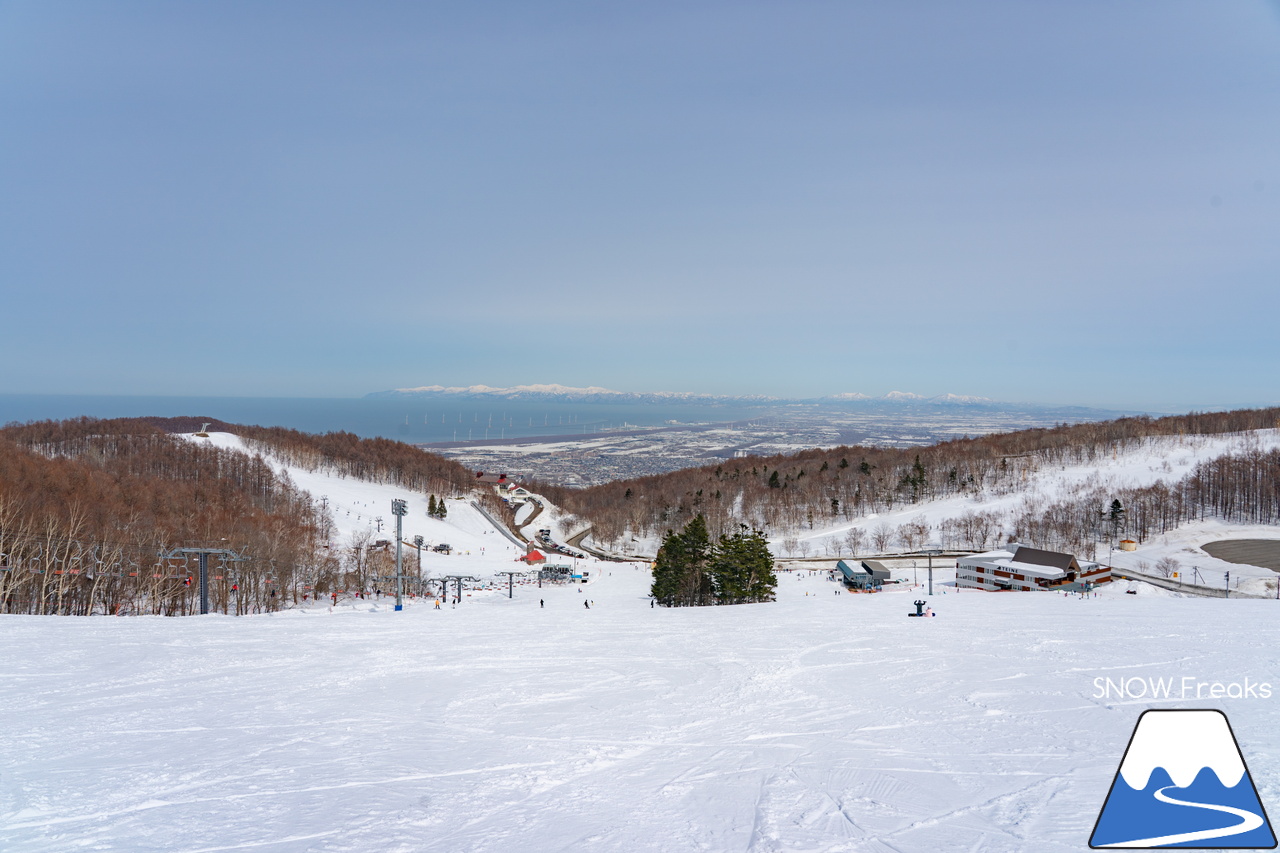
61,411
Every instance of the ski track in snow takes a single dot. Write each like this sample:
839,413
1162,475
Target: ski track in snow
817,723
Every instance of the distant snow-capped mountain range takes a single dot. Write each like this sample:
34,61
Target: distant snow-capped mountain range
594,394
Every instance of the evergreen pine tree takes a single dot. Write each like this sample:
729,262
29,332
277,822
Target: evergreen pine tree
431,506
762,583
441,509
680,576
668,568
742,568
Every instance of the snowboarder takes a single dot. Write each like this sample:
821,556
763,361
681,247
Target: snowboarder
541,603
586,604
437,604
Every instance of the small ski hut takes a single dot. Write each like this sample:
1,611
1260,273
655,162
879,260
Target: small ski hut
857,577
534,557
557,572
877,570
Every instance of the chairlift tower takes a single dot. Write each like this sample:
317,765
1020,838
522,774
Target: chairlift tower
511,576
418,542
399,509
228,556
459,579
932,551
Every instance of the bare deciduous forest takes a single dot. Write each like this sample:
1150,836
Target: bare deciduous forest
819,488
89,508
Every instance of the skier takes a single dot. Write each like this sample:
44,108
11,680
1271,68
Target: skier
541,603
586,604
437,604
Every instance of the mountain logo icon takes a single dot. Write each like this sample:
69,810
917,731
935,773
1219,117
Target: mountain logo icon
1183,783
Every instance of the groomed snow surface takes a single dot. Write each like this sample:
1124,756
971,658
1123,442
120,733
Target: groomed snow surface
820,722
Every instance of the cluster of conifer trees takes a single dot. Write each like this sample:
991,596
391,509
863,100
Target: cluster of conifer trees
437,509
692,571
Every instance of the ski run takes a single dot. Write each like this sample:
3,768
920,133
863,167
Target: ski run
819,722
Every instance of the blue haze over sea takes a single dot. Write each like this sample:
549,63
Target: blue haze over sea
418,421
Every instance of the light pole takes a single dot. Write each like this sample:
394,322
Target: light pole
400,509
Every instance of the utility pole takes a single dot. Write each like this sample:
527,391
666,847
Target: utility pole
400,509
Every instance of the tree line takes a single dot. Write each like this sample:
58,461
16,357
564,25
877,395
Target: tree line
90,509
823,486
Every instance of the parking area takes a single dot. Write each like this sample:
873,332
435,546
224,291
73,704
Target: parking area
1264,553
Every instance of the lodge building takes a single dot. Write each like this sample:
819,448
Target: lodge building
1018,567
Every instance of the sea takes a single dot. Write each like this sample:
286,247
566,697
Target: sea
415,421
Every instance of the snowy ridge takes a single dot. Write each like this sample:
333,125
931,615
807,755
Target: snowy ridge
1183,743
594,393
566,393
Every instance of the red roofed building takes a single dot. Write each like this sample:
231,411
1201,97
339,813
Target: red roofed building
534,556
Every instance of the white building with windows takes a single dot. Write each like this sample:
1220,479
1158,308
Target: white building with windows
1018,567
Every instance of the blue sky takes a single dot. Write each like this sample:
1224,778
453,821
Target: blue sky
1072,202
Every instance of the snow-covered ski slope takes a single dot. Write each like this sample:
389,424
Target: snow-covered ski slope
820,722
1156,459
355,505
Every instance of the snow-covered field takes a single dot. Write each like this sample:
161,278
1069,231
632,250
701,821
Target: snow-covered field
821,722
